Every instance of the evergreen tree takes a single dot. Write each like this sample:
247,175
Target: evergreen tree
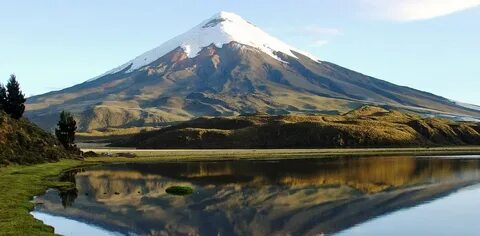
65,130
15,99
3,98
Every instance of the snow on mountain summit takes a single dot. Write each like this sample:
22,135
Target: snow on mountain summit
220,29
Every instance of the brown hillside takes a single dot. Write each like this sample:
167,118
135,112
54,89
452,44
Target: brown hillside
365,127
23,142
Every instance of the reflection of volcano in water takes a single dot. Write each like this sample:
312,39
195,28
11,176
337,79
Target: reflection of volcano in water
301,197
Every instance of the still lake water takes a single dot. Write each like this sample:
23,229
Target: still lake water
344,196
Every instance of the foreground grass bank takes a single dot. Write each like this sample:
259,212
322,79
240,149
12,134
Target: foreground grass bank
18,184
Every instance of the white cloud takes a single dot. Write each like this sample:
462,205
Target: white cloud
322,31
319,35
319,43
411,10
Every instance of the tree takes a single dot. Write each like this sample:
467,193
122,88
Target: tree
15,99
3,98
65,130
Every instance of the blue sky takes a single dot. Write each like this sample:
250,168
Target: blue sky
432,45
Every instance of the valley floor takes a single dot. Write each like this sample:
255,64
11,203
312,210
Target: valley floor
20,183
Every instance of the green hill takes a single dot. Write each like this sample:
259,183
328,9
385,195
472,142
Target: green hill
367,126
23,142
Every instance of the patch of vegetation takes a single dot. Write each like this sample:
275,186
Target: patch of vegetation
367,126
22,142
179,190
19,184
90,154
126,154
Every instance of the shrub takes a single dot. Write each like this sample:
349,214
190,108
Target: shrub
179,190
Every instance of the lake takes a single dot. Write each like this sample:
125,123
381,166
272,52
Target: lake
345,196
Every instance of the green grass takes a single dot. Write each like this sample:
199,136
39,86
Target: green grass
18,185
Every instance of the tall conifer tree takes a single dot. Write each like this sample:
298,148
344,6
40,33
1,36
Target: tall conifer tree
65,130
15,99
3,97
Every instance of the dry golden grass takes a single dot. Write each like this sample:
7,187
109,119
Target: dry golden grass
115,131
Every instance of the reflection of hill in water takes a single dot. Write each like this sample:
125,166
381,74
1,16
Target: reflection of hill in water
258,198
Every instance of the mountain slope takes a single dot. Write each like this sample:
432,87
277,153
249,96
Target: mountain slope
225,66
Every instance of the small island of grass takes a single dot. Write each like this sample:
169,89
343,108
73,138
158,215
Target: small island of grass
179,190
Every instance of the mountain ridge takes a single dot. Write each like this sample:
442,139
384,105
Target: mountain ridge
229,28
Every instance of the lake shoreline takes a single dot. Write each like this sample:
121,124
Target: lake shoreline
22,183
371,186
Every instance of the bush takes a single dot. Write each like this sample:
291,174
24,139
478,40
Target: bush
179,190
126,154
90,154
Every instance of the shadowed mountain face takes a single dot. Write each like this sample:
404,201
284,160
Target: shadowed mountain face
222,80
289,197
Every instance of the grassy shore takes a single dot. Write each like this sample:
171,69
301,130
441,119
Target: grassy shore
20,183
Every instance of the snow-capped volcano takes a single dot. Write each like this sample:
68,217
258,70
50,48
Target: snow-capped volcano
218,30
225,66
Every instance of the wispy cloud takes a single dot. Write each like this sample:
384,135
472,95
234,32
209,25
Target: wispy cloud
319,43
318,35
411,10
322,31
